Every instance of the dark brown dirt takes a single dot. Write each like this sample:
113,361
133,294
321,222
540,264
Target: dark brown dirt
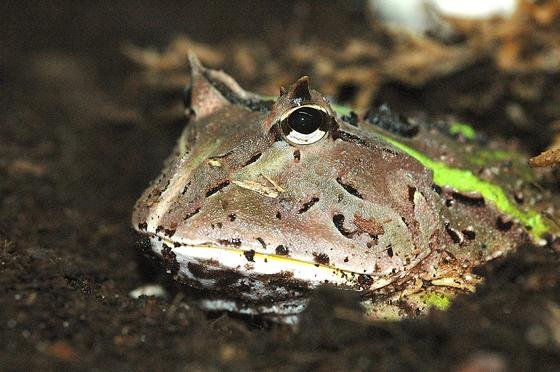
77,147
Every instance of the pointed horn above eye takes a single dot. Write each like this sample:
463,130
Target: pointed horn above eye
300,89
194,63
205,98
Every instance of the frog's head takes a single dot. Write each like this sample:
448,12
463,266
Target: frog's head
287,189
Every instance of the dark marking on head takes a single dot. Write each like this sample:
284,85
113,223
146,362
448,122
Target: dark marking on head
384,118
297,156
278,215
403,218
142,226
282,250
390,251
159,228
169,232
250,255
253,159
321,258
436,188
232,217
217,225
349,188
469,198
305,207
338,221
189,215
217,188
346,259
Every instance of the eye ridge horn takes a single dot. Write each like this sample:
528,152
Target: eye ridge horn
300,89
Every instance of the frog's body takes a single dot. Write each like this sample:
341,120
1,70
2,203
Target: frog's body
259,213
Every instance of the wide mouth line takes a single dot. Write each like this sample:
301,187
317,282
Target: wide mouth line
257,254
253,262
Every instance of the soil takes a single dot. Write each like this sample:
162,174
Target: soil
84,128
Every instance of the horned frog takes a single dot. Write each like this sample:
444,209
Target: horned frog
261,201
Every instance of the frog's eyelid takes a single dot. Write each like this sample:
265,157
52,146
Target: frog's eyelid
290,111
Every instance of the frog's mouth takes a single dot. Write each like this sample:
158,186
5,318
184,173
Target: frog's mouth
251,263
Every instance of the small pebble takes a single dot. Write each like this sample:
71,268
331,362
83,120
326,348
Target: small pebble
154,290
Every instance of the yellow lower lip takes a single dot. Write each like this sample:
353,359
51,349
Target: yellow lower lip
262,263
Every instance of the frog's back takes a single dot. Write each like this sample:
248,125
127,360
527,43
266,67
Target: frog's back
491,194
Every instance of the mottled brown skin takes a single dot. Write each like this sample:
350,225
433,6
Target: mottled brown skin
350,201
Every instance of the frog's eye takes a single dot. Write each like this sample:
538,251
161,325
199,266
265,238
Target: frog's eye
305,125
